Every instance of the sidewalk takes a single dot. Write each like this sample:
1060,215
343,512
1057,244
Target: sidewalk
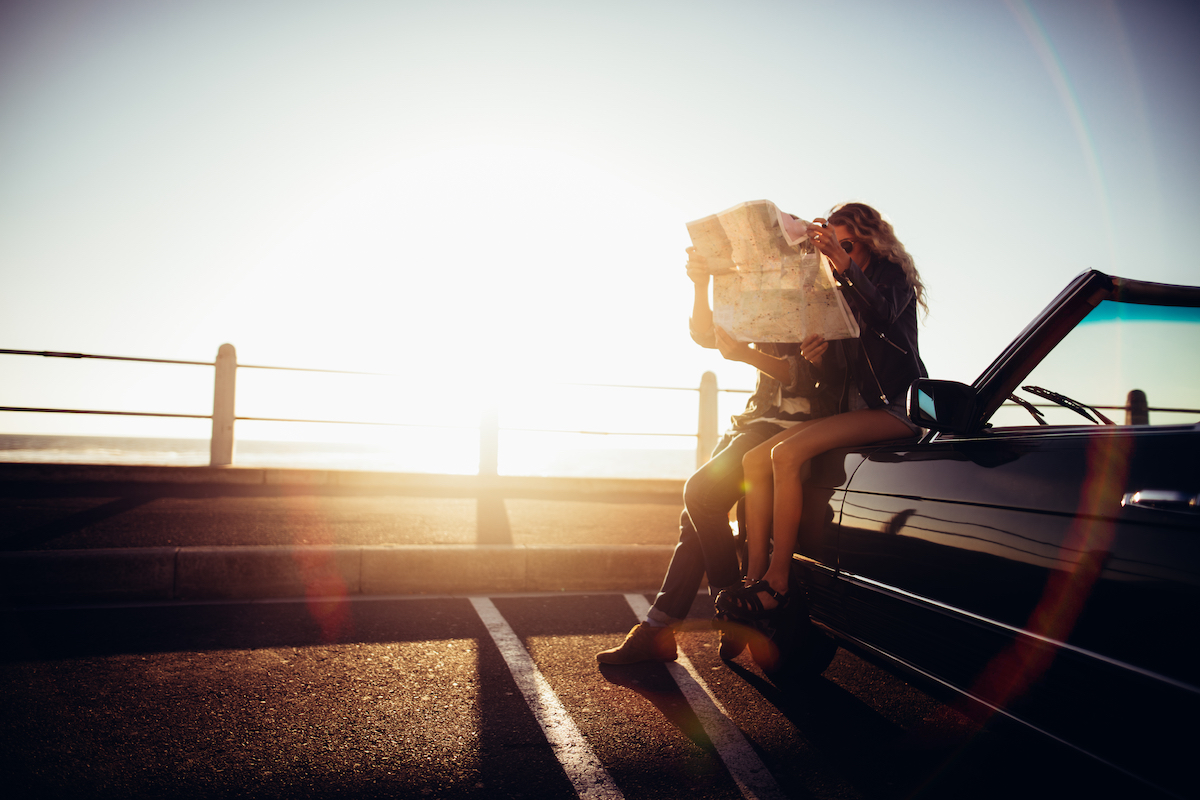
81,533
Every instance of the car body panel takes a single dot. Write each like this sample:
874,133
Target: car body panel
1008,566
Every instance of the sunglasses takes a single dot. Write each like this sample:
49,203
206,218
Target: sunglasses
847,245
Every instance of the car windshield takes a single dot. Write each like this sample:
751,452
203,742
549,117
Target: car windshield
1117,350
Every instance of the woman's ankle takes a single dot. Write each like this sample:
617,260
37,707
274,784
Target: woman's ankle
779,584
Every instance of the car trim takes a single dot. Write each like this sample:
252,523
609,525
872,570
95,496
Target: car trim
1052,432
980,701
812,562
909,596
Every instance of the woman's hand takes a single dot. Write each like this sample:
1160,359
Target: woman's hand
825,238
812,348
731,348
697,267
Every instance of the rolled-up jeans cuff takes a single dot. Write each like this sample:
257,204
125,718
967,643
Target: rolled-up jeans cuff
654,615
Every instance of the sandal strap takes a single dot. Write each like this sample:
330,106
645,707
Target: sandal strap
747,598
747,601
762,586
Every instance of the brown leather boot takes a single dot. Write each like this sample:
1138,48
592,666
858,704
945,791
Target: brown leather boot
644,643
732,645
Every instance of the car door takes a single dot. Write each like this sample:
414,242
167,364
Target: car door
1047,571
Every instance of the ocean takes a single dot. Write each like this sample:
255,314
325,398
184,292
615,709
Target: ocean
517,458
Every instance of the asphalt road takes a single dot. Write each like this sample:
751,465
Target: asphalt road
422,697
54,515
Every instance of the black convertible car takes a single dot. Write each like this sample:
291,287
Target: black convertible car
1035,556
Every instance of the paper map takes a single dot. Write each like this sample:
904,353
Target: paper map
769,283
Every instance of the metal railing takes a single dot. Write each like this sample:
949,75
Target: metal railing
224,416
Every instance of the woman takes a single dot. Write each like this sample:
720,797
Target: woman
790,390
879,280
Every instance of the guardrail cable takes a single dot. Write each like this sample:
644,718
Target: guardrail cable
55,354
108,413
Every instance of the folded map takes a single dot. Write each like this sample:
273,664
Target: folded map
770,284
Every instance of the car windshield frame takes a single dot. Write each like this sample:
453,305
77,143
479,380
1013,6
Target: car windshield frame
1006,373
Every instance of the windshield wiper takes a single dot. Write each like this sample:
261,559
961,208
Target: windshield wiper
1067,402
1028,406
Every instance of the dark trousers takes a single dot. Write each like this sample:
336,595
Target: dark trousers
706,545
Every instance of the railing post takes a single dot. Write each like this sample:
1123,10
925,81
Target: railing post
708,428
489,442
223,399
1137,408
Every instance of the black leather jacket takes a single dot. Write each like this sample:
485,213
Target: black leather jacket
884,360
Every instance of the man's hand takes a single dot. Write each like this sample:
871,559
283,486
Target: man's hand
731,348
697,267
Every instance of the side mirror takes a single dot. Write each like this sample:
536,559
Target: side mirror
944,406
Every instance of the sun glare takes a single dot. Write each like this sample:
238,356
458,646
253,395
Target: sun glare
480,278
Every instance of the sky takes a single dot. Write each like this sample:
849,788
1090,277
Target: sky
486,197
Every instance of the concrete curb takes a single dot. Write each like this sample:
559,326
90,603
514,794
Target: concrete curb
242,573
257,572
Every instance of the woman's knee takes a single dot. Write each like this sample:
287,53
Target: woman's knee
757,461
787,459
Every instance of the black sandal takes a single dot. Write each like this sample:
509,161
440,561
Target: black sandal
745,602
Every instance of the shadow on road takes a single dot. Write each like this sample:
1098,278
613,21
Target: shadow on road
652,681
38,536
81,632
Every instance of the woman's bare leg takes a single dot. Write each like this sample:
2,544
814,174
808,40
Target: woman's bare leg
788,458
760,485
756,466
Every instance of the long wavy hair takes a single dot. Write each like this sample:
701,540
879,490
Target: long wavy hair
876,233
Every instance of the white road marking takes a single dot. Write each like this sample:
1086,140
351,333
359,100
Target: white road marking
583,769
747,770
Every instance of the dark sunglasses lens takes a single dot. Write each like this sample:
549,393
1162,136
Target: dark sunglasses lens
847,246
